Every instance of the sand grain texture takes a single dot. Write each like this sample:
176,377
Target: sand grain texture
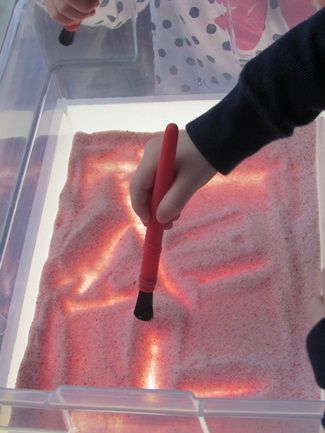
237,271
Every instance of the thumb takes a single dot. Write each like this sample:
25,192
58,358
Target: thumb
174,201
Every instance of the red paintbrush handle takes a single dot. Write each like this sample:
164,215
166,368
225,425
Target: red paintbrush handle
72,27
154,233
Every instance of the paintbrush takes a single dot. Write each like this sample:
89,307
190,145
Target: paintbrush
66,36
154,233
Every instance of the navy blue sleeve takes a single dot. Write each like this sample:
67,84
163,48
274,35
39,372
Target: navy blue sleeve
281,88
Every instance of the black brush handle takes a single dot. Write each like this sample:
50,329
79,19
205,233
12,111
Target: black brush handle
66,37
67,34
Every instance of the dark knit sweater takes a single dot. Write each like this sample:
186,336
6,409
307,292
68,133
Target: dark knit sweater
281,88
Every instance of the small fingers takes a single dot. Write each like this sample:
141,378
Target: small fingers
83,6
170,224
139,201
172,204
142,183
64,14
317,308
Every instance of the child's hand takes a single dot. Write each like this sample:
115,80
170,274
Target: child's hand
318,3
317,309
192,171
67,12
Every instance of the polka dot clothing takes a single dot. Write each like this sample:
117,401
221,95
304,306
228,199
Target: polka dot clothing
195,50
193,54
114,13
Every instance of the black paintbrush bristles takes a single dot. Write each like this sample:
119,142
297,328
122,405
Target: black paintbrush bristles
143,308
66,37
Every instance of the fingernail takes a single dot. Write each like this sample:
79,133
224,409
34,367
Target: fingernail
162,220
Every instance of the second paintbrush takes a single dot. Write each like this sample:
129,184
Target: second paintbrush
154,233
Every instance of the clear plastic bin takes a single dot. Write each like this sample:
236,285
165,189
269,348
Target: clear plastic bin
48,93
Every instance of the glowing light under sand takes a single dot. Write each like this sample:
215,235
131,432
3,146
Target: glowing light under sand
225,391
71,306
247,178
151,366
113,350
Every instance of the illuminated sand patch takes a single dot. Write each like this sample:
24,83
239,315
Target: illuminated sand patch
236,273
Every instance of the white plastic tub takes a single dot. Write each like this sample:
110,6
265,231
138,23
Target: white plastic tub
47,94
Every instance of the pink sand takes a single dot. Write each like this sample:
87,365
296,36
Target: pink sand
237,272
